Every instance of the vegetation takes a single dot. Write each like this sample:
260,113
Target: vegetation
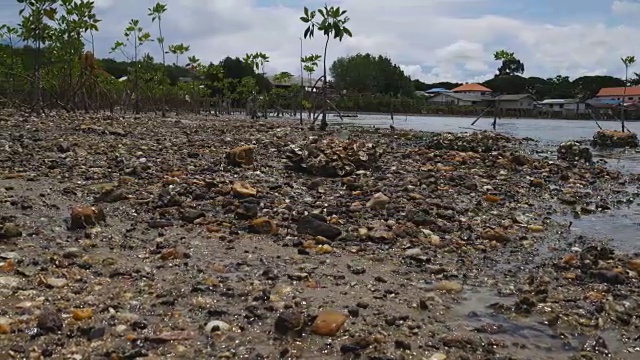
332,24
47,61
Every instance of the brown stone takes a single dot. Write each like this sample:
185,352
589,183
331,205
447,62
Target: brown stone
634,264
241,188
495,235
328,323
242,155
83,217
263,226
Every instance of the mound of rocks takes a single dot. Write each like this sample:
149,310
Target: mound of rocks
478,142
332,157
574,151
614,139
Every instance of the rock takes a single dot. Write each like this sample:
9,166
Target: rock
81,314
50,320
332,157
448,286
495,235
242,155
477,141
328,323
634,264
242,189
57,282
263,226
111,195
247,211
9,231
438,356
83,217
378,201
72,253
289,321
492,199
573,151
191,215
614,139
310,225
9,282
217,326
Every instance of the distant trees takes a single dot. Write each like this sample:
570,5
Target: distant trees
367,73
510,64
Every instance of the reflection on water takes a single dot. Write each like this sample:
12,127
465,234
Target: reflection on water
623,226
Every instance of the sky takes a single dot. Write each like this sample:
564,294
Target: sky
431,40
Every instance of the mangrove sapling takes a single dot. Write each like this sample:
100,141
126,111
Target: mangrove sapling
136,37
178,50
155,13
311,64
35,30
332,23
9,61
71,68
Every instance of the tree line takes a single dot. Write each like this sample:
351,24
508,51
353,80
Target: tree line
47,61
366,73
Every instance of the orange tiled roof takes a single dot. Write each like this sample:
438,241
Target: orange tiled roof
471,87
620,91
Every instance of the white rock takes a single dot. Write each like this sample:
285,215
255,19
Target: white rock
217,325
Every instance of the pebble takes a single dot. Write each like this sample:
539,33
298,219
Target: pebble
448,286
216,326
328,323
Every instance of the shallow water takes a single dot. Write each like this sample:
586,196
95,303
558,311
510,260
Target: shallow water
621,226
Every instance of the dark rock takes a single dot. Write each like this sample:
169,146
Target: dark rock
289,321
310,225
247,211
50,321
191,215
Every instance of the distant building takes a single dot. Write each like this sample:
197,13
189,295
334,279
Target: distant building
295,80
436,91
472,89
517,101
463,99
628,94
564,106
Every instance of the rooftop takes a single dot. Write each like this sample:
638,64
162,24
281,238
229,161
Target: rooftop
558,101
471,87
619,91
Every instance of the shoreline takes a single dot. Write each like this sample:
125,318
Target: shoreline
253,232
398,115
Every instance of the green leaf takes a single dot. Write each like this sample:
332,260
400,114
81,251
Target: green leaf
307,32
347,32
306,11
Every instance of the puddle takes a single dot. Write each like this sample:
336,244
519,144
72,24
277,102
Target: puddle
524,337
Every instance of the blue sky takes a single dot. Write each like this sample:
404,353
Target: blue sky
433,40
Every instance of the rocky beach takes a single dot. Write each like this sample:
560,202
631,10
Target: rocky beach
195,237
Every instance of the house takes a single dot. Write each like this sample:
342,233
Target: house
436,91
626,94
475,89
295,80
516,101
451,98
565,106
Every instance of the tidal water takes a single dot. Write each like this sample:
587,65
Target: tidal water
621,227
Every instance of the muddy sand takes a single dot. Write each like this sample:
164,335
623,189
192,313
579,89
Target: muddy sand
125,238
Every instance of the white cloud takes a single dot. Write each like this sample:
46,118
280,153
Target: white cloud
625,7
433,40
